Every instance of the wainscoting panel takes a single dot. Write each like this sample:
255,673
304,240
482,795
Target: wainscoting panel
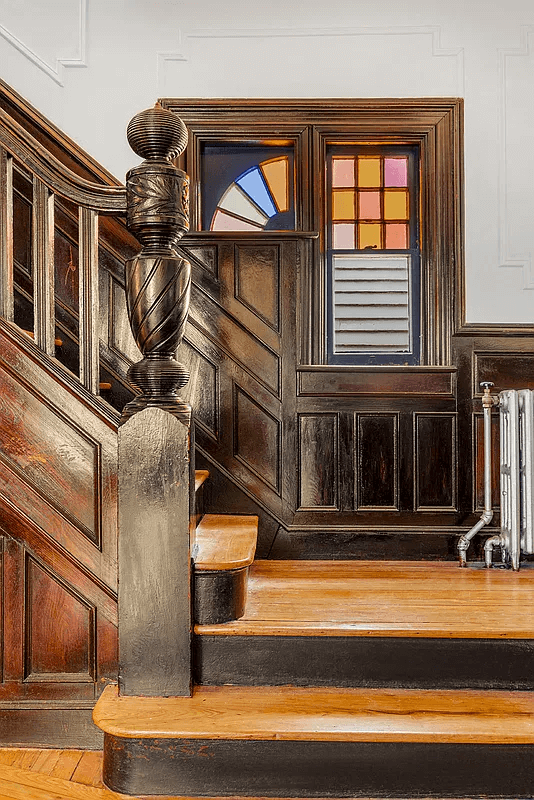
377,471
436,463
318,462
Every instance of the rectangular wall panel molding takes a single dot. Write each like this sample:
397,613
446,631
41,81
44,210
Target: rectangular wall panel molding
435,462
318,462
377,462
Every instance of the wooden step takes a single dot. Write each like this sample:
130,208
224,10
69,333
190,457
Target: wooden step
308,742
223,551
399,624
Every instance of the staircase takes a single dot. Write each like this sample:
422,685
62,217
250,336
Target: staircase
310,678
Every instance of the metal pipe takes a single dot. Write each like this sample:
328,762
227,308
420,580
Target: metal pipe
489,544
463,544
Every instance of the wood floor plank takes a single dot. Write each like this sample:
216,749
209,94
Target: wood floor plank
317,714
25,758
46,761
66,764
435,599
89,769
25,785
8,755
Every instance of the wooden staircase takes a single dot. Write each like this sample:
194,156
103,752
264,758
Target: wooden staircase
340,679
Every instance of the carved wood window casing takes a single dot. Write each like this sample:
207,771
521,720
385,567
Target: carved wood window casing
312,129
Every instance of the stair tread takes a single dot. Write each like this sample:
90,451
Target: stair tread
225,542
318,714
388,598
201,475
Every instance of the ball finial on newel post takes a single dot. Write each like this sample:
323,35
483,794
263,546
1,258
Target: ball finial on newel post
158,279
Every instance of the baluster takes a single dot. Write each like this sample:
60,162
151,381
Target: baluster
43,266
155,436
6,235
88,299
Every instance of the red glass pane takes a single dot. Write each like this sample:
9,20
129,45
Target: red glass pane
396,236
369,205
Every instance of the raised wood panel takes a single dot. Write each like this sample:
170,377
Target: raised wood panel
120,334
53,455
257,280
509,370
435,457
257,438
377,462
205,256
392,381
22,240
478,455
243,347
318,462
59,628
202,389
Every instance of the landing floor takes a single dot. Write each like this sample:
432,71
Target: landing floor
384,598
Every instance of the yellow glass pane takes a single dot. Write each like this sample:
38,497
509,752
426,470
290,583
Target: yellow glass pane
343,205
369,235
395,205
369,172
276,174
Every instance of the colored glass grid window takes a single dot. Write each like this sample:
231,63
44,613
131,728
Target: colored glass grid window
395,172
369,172
342,172
369,205
369,235
395,205
343,205
396,236
343,236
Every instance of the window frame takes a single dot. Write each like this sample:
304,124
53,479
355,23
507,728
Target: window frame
435,125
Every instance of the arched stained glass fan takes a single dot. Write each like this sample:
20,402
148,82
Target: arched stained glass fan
254,198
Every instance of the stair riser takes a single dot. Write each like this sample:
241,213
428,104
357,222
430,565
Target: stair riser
401,662
220,596
198,767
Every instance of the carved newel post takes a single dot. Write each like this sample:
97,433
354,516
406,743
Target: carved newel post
156,469
158,279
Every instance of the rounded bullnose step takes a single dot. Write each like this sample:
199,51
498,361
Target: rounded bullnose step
313,742
222,553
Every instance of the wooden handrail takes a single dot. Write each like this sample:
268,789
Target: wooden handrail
57,177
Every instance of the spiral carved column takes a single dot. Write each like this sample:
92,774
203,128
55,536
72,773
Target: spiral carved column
158,279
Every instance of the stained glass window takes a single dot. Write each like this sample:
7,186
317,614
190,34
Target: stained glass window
373,255
248,188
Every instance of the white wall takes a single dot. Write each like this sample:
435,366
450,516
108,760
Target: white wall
89,65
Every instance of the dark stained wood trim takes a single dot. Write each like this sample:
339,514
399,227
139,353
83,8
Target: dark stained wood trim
49,725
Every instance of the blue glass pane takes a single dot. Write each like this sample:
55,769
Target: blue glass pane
253,184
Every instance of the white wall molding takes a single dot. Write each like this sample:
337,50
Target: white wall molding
525,261
54,71
434,31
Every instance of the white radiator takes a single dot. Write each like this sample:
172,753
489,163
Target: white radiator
516,409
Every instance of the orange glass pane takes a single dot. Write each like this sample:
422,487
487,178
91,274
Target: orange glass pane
369,172
369,235
396,236
395,205
276,174
343,236
343,205
342,172
369,205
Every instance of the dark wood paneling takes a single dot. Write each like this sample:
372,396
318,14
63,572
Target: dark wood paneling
377,470
56,457
49,727
508,370
257,280
435,456
202,389
257,438
318,461
394,381
59,629
205,256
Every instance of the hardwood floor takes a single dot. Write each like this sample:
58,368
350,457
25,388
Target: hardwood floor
383,598
31,774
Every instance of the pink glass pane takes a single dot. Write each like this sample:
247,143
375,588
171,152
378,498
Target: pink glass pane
396,172
396,236
369,205
343,236
342,172
226,222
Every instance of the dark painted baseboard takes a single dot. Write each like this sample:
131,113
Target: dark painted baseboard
60,728
317,769
364,661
